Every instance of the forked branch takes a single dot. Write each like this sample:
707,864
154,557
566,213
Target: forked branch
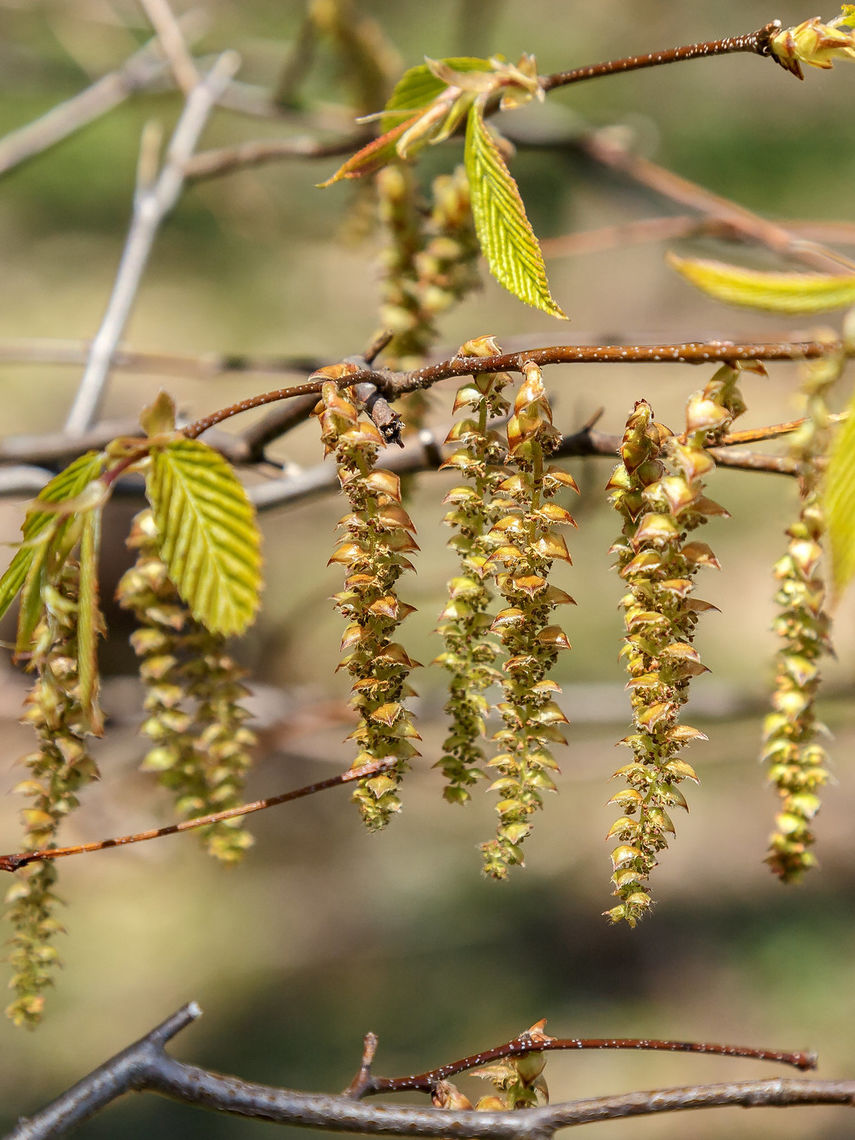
146,1065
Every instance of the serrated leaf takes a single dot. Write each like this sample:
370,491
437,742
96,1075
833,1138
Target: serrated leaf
776,292
839,503
207,533
65,486
504,232
89,624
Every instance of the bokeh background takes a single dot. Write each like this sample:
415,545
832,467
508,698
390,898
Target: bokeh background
324,932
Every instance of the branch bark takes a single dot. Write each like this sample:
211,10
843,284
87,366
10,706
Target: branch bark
147,1065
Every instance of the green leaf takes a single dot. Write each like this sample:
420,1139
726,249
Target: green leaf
65,486
839,503
419,86
777,292
89,623
207,533
503,230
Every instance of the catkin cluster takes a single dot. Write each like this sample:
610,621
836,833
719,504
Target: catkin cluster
658,489
58,770
524,543
518,1081
796,761
479,457
377,536
430,261
201,745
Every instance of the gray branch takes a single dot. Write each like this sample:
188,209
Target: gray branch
146,1065
151,205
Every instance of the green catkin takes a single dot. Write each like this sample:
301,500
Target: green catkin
525,543
796,761
378,535
58,770
201,746
480,452
658,489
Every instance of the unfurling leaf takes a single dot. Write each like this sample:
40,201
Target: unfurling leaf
504,232
776,292
421,85
64,487
373,156
839,503
207,534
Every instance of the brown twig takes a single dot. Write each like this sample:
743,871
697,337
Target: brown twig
21,859
602,146
395,384
366,1084
756,43
257,152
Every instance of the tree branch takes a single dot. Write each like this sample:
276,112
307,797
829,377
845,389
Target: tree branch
147,1065
151,205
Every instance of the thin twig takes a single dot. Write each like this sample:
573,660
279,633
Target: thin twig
20,859
172,43
366,1084
151,206
602,146
395,384
147,1065
756,43
203,366
63,120
257,152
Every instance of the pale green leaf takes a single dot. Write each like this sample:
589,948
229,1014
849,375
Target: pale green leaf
89,623
504,233
777,292
839,503
419,86
64,487
207,533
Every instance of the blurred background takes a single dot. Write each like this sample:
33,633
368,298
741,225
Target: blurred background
325,932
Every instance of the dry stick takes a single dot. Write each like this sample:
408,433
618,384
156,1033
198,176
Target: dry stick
256,152
151,205
57,124
602,148
202,366
147,1065
642,230
756,43
172,43
21,859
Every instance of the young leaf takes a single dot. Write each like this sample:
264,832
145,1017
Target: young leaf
839,503
420,86
504,233
375,155
778,292
65,486
207,533
89,624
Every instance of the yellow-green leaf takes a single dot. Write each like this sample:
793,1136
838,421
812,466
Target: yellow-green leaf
420,86
207,533
373,156
65,486
504,232
839,496
777,292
